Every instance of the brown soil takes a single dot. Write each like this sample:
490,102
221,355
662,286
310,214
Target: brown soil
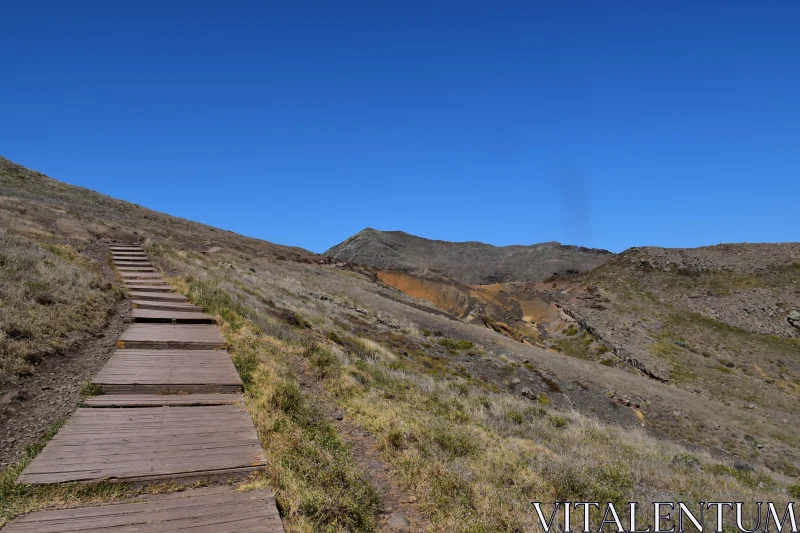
52,392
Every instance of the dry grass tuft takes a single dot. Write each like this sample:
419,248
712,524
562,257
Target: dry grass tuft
49,298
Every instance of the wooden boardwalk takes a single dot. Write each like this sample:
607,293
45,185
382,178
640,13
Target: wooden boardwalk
205,510
171,409
169,371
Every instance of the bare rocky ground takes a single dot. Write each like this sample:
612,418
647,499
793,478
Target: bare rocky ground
52,391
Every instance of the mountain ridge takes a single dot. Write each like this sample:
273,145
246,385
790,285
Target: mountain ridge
469,262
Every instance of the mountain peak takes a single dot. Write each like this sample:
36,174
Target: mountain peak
469,262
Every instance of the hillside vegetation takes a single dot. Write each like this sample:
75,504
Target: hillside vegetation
469,423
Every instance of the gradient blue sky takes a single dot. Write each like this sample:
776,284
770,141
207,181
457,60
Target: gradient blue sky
606,124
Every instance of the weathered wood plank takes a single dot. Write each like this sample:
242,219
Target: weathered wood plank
133,283
164,371
164,306
149,288
162,400
136,294
145,268
139,275
134,260
172,317
140,446
168,336
203,510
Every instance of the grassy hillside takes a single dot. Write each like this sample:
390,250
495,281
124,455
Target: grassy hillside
469,424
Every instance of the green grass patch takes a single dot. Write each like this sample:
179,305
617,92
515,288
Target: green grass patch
452,344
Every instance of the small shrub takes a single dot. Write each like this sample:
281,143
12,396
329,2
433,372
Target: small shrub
245,363
89,389
515,416
452,344
455,441
322,360
287,397
794,490
543,399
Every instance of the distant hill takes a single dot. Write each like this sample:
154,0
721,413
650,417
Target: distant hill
470,263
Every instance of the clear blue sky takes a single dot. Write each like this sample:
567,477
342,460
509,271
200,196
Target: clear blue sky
607,124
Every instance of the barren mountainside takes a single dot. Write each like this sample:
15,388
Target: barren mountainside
466,262
419,378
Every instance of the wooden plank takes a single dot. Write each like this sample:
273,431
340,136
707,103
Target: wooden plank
139,275
164,306
168,336
150,281
201,510
133,248
172,317
136,294
149,288
161,400
143,268
134,260
135,445
168,371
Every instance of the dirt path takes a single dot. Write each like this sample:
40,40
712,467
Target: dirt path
396,504
52,392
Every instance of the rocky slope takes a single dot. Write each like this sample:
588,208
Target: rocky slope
517,389
469,263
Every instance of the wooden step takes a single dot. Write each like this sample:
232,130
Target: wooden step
121,248
162,400
149,444
201,510
140,275
143,268
135,294
133,260
149,288
132,371
143,264
165,306
127,255
171,317
168,336
150,281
